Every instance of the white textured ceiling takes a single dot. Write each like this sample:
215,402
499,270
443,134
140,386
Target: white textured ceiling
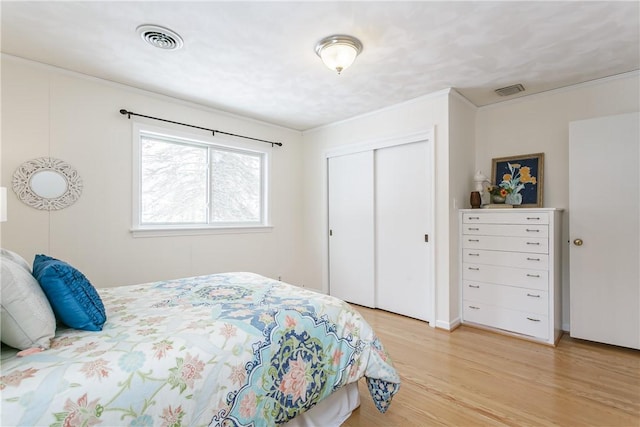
257,59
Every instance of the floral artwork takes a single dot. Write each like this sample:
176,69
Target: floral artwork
218,350
518,180
513,182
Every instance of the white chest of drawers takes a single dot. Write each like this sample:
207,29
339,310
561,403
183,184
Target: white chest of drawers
510,271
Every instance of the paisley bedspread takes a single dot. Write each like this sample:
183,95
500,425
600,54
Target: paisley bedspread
231,349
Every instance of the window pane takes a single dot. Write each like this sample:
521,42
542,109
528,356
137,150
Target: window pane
235,187
174,182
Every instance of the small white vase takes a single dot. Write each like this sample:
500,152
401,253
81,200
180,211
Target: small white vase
514,199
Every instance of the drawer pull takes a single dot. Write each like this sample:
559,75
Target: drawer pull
475,286
533,243
533,275
533,259
532,319
473,228
470,254
474,217
531,218
533,296
532,230
474,240
474,268
473,307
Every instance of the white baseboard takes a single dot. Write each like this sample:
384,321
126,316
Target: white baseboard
449,326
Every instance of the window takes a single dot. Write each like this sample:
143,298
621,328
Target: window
191,184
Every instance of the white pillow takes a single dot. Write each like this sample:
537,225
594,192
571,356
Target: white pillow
26,316
7,254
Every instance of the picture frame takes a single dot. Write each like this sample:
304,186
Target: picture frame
532,191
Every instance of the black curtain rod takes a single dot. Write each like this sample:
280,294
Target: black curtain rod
213,131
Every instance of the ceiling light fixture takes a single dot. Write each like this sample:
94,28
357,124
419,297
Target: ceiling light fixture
338,52
160,37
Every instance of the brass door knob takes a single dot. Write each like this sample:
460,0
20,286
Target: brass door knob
578,242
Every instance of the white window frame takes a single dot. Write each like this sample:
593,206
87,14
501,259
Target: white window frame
154,230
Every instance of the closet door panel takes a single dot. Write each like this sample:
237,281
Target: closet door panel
401,200
351,228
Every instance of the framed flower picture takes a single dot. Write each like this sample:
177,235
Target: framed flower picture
520,178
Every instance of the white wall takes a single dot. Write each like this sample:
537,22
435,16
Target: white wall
540,123
415,116
50,112
462,128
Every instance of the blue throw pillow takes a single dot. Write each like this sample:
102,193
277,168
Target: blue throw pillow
74,300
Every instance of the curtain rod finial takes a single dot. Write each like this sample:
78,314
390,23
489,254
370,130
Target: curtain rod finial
123,111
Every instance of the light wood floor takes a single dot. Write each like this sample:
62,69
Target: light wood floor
471,377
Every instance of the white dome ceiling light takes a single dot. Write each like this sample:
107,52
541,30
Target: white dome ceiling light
339,51
160,37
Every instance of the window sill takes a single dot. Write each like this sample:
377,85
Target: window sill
197,231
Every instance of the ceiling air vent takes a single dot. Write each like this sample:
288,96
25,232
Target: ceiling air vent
510,90
160,37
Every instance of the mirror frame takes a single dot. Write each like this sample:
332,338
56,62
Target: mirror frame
22,183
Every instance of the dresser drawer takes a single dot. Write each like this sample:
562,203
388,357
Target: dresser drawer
519,299
505,218
507,259
531,279
502,243
531,324
509,230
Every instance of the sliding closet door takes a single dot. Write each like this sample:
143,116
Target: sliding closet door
351,228
402,221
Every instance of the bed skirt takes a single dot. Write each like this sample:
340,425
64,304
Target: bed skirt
332,411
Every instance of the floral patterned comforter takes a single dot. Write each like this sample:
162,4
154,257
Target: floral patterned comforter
226,349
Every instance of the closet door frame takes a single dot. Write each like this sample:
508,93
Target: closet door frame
371,145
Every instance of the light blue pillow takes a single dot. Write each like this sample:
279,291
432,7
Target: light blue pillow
74,300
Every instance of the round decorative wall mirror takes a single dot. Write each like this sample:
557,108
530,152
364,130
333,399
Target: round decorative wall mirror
47,183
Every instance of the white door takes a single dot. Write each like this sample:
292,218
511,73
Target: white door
402,223
604,221
351,228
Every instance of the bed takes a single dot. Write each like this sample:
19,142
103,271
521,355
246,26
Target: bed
234,349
